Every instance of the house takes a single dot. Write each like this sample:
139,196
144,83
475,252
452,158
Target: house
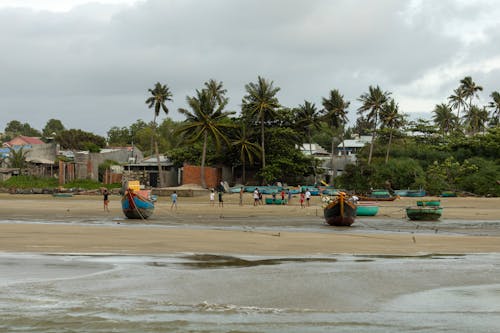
352,146
146,171
21,141
313,149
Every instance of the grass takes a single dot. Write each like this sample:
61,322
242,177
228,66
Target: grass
39,182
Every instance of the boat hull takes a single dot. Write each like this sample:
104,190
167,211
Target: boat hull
433,203
340,213
424,213
136,206
367,210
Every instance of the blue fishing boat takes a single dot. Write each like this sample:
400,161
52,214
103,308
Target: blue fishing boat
416,193
136,205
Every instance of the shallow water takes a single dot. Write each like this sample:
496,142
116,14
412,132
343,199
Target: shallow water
212,293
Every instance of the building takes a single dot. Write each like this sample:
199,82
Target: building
21,141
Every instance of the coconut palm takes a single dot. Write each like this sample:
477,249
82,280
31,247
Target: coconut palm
206,118
261,103
495,106
335,114
470,89
391,119
457,102
247,149
308,118
17,158
160,94
444,118
372,103
475,119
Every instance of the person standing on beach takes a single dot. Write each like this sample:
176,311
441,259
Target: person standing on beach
241,196
105,194
212,198
308,197
173,196
302,196
282,197
221,202
256,197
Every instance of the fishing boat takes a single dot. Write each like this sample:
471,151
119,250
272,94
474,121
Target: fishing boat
339,211
415,193
367,209
378,195
429,203
424,213
137,203
448,194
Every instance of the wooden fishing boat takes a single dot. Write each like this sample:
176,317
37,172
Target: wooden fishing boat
424,213
367,209
378,195
136,205
340,211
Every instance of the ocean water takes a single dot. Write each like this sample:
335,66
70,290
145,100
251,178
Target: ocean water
213,293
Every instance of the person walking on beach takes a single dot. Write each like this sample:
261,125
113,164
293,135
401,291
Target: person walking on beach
308,197
212,198
173,196
105,194
241,196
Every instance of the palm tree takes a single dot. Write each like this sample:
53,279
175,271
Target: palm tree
160,94
391,119
444,118
207,118
457,101
476,119
261,102
216,90
308,118
17,159
372,103
335,113
495,105
246,148
470,89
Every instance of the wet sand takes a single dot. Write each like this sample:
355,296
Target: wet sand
172,231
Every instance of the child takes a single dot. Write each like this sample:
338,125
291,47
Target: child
212,198
302,197
174,200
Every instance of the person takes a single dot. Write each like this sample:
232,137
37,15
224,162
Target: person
308,197
302,196
282,197
261,200
255,197
173,196
221,202
241,196
212,198
105,194
274,196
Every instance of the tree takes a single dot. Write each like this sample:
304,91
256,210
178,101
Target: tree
52,127
372,103
457,101
495,106
206,118
391,119
247,149
119,136
444,118
160,94
77,139
261,103
470,89
308,118
475,119
335,114
15,128
17,158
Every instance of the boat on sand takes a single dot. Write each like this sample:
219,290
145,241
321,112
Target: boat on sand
340,210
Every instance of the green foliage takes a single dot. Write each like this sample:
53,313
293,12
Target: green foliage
104,166
89,184
483,180
52,127
17,158
29,182
15,128
77,139
448,174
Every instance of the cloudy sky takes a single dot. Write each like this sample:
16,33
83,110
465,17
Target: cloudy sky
90,63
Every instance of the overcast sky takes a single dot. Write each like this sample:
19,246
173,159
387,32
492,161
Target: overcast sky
90,63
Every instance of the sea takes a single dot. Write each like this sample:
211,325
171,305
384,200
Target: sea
210,292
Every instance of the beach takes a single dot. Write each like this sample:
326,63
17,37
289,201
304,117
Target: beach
79,224
69,266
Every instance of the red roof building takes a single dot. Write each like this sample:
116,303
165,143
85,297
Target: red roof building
23,141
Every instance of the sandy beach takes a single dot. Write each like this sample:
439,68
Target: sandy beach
40,223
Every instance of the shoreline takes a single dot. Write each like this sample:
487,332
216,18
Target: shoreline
183,231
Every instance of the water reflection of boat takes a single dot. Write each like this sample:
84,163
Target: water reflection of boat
340,211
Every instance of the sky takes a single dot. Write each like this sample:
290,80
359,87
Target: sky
90,63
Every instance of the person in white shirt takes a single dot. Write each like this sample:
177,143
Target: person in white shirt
308,197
